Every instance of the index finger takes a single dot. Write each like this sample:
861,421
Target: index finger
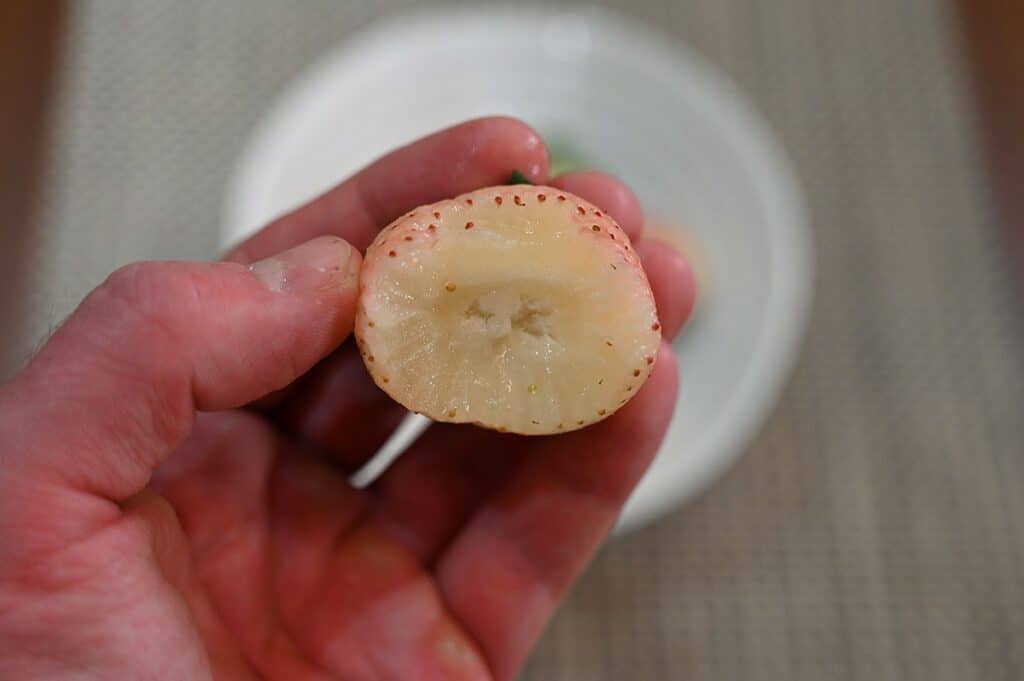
475,154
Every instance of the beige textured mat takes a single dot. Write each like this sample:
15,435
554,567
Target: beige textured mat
876,528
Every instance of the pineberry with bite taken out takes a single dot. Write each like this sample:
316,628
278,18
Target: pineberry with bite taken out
518,308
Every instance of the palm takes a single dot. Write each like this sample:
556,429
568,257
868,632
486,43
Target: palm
301,570
413,577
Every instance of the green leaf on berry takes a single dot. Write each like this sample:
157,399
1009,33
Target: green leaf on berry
518,178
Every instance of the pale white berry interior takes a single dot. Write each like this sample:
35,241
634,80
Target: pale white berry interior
520,308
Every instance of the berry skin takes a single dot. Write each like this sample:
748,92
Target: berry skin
507,309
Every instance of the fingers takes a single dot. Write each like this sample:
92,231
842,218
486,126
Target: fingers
673,284
117,386
424,499
476,154
671,278
506,571
217,480
340,410
608,193
354,602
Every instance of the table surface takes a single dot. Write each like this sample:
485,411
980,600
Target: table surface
876,527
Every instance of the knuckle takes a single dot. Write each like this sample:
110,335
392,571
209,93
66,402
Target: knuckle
142,284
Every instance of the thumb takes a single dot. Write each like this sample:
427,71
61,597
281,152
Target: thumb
117,386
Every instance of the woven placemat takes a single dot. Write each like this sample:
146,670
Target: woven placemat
876,528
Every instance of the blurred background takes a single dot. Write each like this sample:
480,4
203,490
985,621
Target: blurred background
875,527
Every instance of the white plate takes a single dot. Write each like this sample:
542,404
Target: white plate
633,103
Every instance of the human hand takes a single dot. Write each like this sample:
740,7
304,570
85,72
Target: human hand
174,501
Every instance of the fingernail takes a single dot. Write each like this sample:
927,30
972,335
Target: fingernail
318,265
